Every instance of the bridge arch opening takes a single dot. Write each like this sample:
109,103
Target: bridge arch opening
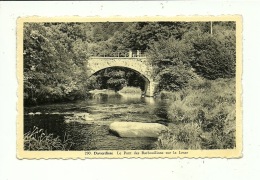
117,77
137,64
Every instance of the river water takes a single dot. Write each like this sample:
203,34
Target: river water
87,122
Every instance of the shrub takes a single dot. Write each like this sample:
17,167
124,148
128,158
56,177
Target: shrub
189,134
214,97
212,107
174,78
184,137
181,111
168,140
221,135
37,140
165,94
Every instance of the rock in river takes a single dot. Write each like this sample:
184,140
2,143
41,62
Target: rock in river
136,129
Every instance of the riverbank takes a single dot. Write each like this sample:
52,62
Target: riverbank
203,116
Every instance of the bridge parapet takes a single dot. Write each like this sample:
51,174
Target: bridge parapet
119,58
139,64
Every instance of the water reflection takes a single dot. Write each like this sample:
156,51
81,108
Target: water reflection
149,100
127,98
92,132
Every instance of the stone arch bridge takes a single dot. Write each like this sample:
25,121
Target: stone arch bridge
137,64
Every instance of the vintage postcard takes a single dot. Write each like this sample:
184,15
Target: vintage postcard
120,87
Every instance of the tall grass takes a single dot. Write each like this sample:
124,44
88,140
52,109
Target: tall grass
205,113
37,140
184,136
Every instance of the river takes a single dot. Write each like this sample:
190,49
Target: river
87,122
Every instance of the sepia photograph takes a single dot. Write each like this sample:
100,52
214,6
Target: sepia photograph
129,90
139,87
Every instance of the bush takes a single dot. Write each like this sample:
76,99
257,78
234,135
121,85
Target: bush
207,114
174,78
183,137
37,140
168,140
212,98
221,133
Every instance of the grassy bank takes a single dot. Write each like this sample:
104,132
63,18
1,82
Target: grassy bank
202,115
130,89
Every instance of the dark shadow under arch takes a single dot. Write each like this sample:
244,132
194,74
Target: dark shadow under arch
145,78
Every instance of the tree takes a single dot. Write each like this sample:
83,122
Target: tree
214,56
53,62
117,80
141,35
170,60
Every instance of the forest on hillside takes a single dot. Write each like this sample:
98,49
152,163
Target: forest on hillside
181,53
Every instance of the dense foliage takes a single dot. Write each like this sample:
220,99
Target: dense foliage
54,55
53,62
197,52
204,116
214,56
